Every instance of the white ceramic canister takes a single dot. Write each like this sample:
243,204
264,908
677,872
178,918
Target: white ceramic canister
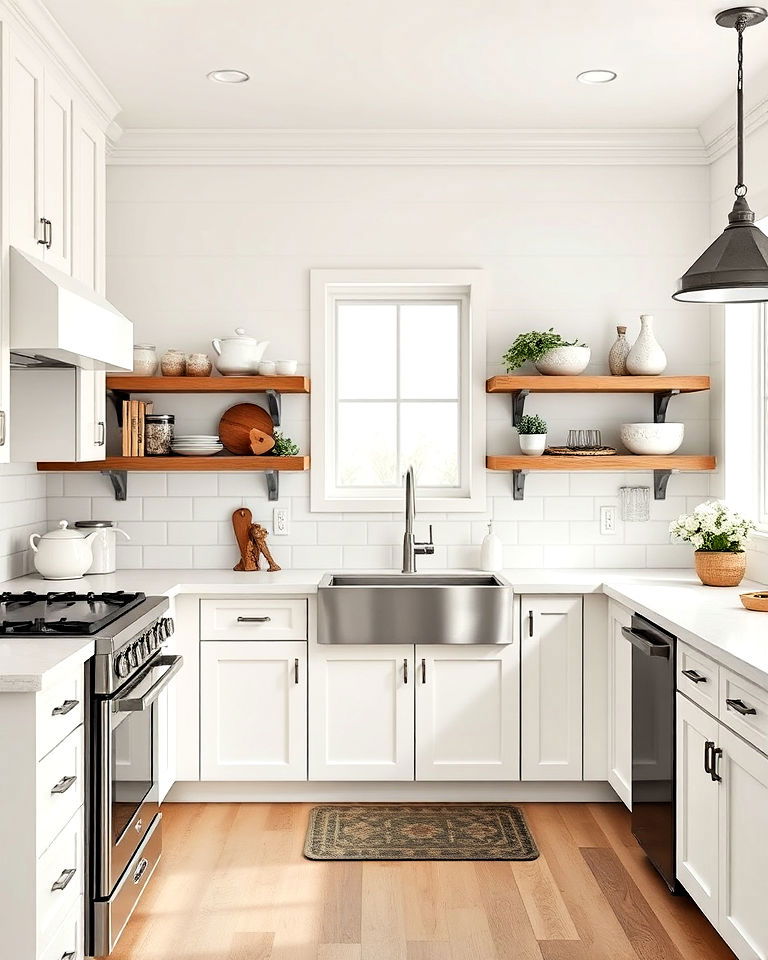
103,546
145,360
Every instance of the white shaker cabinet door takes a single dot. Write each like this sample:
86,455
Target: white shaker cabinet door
253,710
467,708
91,407
57,173
697,807
361,713
743,858
620,704
551,684
23,106
88,201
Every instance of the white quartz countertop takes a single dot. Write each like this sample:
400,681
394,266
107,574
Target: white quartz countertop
709,618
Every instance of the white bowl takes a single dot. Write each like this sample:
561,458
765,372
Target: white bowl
286,368
564,361
267,368
652,439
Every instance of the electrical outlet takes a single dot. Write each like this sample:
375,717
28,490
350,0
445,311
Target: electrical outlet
607,521
280,522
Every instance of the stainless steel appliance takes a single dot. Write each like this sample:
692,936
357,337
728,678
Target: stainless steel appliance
123,681
653,743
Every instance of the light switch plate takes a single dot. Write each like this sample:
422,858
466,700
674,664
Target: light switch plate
280,522
608,521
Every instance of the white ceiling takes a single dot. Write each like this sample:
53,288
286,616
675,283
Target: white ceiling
410,63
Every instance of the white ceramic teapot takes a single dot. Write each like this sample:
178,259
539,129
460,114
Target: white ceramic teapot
62,554
238,356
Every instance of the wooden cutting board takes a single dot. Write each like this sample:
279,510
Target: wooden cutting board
261,442
236,425
241,522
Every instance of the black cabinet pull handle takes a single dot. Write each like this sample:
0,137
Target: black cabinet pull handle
423,670
740,707
63,881
530,623
694,676
709,746
716,754
405,669
63,785
49,240
296,670
65,708
44,241
254,619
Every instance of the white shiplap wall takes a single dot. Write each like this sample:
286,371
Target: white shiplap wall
195,251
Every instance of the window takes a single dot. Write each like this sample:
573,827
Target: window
398,368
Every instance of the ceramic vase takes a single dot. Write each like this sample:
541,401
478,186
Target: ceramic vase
563,361
533,444
716,569
646,358
617,358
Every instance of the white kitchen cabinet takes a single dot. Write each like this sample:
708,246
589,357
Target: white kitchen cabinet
253,710
467,713
743,851
361,713
697,808
88,200
551,687
620,703
23,104
57,173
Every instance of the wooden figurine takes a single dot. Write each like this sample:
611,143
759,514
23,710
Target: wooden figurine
241,523
252,541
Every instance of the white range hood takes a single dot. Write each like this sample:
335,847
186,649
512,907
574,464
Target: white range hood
55,317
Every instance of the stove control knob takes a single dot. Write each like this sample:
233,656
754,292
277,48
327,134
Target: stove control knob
157,634
146,644
168,626
134,655
122,667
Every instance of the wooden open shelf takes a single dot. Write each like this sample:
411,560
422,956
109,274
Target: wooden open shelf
117,468
581,384
662,467
127,383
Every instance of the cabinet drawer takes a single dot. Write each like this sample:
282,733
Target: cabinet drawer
698,677
59,710
60,877
270,618
67,942
60,777
744,708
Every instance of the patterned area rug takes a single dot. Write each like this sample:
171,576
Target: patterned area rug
456,831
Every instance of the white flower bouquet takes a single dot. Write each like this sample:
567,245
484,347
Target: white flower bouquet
713,528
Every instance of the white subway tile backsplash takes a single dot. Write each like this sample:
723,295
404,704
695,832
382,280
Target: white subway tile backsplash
523,557
377,557
569,508
129,557
619,556
107,508
167,508
541,533
74,508
390,532
84,485
316,557
217,508
669,555
647,531
215,557
193,485
505,508
167,557
150,484
344,533
195,532
569,556
145,533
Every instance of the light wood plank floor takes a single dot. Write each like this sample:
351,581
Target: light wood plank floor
233,885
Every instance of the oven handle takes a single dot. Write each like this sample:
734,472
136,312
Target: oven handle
129,704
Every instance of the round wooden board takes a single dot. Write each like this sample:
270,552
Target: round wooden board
236,425
755,601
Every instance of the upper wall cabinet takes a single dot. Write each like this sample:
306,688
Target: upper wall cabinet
39,108
88,200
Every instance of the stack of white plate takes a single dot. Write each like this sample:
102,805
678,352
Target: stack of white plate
197,445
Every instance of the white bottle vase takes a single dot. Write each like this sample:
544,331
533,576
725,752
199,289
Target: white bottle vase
491,552
646,358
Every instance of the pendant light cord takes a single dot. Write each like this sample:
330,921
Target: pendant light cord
741,189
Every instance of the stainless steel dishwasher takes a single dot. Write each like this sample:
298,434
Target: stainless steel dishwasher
653,743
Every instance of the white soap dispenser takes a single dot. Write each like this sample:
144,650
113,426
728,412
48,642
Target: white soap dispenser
491,552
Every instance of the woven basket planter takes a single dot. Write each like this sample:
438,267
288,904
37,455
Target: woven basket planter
720,569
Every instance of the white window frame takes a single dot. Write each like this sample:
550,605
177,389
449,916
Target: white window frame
327,288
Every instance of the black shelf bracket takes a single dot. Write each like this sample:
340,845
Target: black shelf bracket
117,397
273,484
275,405
518,484
660,480
518,407
660,404
119,479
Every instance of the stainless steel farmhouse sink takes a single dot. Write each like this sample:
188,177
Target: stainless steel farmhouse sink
414,608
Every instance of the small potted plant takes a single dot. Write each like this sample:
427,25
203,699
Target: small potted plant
533,435
549,353
719,536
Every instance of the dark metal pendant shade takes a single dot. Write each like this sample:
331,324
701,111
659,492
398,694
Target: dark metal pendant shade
734,269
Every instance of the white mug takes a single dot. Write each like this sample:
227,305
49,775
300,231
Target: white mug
286,368
267,368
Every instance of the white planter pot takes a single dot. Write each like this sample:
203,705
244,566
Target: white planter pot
533,444
563,361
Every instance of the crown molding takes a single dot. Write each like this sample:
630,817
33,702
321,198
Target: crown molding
33,19
718,144
408,147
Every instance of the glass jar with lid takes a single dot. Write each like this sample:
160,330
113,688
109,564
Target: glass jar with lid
158,434
144,360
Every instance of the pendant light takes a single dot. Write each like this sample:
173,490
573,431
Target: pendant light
734,269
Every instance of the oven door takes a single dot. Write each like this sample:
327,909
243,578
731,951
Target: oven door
126,787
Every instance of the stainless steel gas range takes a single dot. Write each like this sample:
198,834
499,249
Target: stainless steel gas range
124,678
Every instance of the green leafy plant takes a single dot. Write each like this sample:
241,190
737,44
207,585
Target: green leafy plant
284,446
530,424
532,346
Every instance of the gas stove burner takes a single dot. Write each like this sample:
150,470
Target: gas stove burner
33,614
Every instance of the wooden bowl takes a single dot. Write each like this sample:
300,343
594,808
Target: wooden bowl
755,601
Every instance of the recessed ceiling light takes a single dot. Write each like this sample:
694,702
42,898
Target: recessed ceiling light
596,76
228,76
